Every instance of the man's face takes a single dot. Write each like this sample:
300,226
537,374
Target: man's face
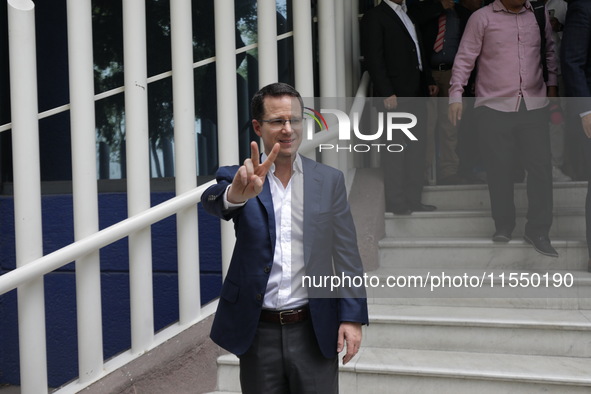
273,129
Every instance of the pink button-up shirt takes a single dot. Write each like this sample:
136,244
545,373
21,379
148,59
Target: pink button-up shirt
505,47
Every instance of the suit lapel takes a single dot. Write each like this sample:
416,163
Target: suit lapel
266,200
392,14
312,188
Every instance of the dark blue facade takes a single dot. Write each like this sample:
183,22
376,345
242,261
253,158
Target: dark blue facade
60,290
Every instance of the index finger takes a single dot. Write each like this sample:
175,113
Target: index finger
254,153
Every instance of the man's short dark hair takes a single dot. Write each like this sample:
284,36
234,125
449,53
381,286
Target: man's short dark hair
277,89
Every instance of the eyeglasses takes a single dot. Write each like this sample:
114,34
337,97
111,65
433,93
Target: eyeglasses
278,124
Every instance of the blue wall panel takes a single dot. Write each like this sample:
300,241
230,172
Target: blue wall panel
60,285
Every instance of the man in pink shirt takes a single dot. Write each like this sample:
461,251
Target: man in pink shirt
503,42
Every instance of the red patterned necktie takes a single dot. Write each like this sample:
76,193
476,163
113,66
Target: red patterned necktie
438,46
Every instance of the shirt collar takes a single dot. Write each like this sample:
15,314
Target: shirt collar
296,167
498,6
397,7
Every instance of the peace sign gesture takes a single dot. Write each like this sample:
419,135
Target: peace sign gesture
250,177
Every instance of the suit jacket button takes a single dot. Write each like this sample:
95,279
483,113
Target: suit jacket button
267,270
259,297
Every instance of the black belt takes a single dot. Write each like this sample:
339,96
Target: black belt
288,316
442,67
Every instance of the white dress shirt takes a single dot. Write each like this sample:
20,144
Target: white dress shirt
284,288
400,10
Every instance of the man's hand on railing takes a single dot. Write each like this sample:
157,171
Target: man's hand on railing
250,177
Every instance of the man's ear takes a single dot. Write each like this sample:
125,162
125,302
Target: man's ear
257,127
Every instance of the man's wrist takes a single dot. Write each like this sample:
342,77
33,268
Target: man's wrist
228,204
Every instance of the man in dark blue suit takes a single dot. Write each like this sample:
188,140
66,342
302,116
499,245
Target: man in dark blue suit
292,220
576,71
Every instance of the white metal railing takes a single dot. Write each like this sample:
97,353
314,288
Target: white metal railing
51,262
32,265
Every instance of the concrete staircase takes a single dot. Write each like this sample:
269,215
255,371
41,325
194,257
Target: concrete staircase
514,321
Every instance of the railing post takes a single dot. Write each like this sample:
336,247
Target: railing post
339,45
328,62
302,48
267,40
227,104
27,193
185,158
341,31
83,134
138,172
355,44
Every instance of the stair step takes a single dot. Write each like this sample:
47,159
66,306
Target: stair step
501,288
228,373
487,330
457,197
568,223
428,371
224,392
377,370
480,253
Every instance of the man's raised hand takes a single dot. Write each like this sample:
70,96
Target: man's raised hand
250,177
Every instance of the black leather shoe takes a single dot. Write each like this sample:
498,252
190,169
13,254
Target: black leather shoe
502,235
403,210
420,207
541,244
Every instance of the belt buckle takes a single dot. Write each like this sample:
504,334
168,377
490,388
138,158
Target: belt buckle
288,312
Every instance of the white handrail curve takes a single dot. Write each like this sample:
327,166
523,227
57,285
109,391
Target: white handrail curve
67,254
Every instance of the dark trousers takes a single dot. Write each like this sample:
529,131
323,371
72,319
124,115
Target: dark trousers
404,171
506,137
468,149
286,359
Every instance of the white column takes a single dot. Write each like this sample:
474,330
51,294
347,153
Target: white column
348,50
227,104
27,192
267,37
185,157
88,272
138,172
328,61
339,45
341,74
355,45
326,48
302,48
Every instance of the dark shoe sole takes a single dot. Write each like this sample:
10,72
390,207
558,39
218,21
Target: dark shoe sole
501,238
549,254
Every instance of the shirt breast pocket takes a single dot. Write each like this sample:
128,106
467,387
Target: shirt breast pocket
529,34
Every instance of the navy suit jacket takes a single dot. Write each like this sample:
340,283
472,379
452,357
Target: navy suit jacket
329,240
576,55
